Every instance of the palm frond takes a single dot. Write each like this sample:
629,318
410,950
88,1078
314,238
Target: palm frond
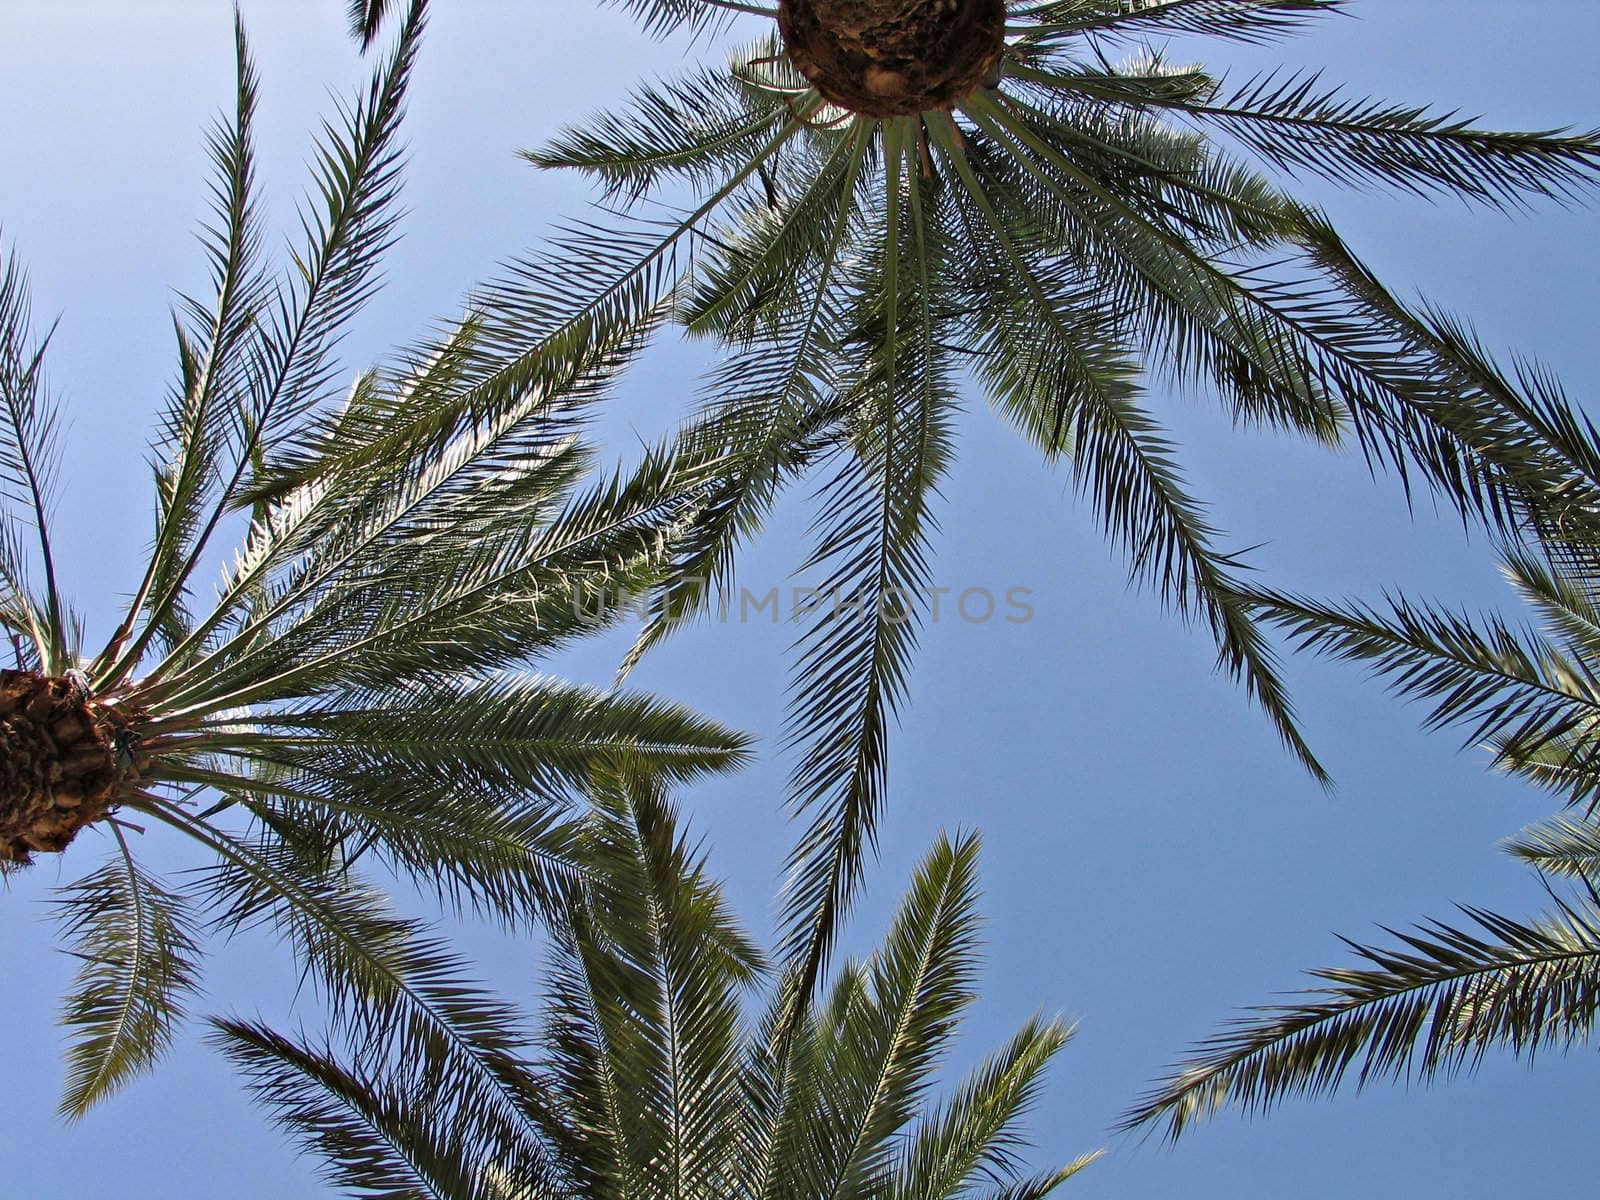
883,1027
700,17
217,345
1296,124
22,618
495,851
487,485
360,685
476,793
528,732
367,18
457,604
770,410
346,230
1038,1186
696,128
29,425
1249,21
388,985
1430,1007
1567,844
376,1133
646,1080
136,943
1484,676
1497,444
872,548
644,1027
973,1137
1125,464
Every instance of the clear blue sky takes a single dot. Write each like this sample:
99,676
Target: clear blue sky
1153,859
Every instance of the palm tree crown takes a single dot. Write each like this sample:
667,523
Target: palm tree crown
1070,234
353,685
647,1082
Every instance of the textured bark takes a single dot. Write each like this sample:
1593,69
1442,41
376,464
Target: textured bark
888,58
59,762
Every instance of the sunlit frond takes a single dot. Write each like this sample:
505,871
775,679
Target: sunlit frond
1567,845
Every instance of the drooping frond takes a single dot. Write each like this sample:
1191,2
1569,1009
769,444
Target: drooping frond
1122,459
1495,443
860,620
137,945
367,17
388,985
368,1143
1300,126
1546,447
661,17
1439,1002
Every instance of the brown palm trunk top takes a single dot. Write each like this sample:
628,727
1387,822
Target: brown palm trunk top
889,58
59,768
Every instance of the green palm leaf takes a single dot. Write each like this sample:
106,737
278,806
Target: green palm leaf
367,1148
1531,694
1257,21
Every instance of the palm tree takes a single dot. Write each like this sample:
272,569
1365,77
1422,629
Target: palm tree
895,198
649,1081
1445,994
361,679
